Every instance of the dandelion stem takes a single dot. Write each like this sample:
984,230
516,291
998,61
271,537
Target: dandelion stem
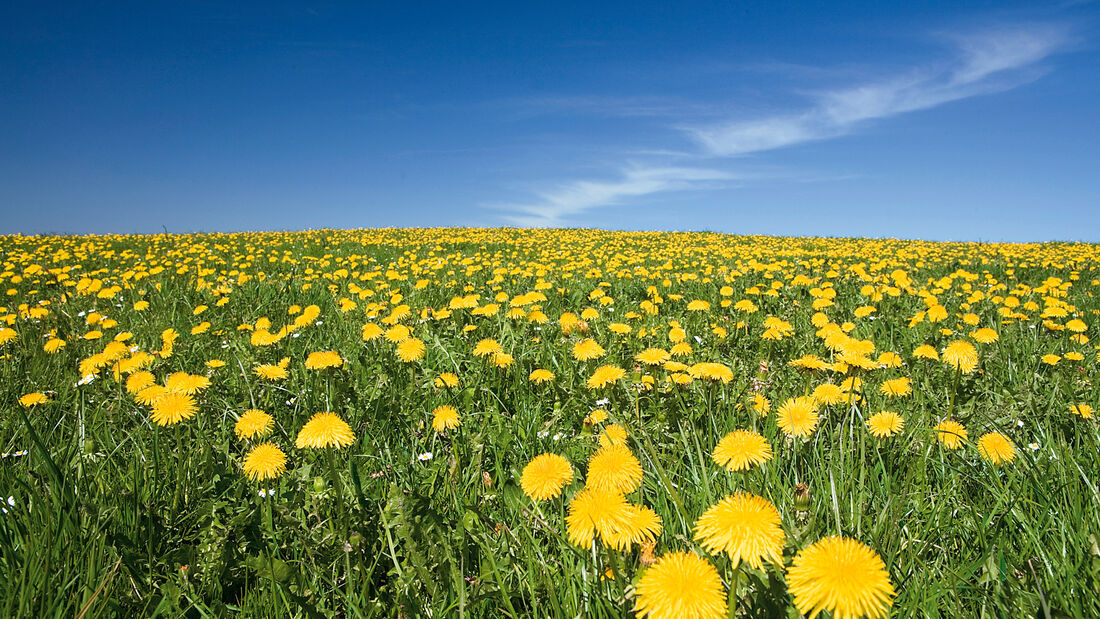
954,393
338,491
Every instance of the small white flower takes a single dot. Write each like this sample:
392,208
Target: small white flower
543,433
82,314
424,457
86,380
557,437
11,501
295,334
318,323
134,348
1033,446
1020,423
603,402
698,340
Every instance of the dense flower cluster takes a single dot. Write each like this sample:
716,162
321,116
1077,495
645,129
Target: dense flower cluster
628,413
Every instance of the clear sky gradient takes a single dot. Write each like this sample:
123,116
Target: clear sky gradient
944,121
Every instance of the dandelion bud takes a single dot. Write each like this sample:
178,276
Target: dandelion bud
802,498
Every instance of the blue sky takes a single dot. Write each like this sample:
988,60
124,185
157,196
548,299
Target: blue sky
944,121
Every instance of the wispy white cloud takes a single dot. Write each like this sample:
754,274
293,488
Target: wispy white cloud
554,206
984,63
980,64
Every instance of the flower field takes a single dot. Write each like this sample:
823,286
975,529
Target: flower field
547,423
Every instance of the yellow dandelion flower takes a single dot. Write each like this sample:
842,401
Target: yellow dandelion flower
808,362
182,382
652,356
889,360
842,576
614,467
444,418
587,349
545,476
487,347
597,415
324,359
740,450
680,349
325,430
593,511
446,380
926,351
173,407
613,435
640,526
797,417
253,423
760,404
397,334
1051,359
951,433
411,349
744,526
372,331
680,585
33,399
885,424
711,371
1077,325
961,355
53,346
1081,409
270,372
541,376
897,387
265,461
149,395
698,305
937,313
985,335
828,394
139,380
605,375
996,448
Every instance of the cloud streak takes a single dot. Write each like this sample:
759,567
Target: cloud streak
985,63
552,207
982,63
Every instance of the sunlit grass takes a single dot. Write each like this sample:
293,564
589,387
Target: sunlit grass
125,503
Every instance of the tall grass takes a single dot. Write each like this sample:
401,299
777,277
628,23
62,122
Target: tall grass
114,516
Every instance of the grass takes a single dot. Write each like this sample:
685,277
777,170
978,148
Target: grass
112,515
